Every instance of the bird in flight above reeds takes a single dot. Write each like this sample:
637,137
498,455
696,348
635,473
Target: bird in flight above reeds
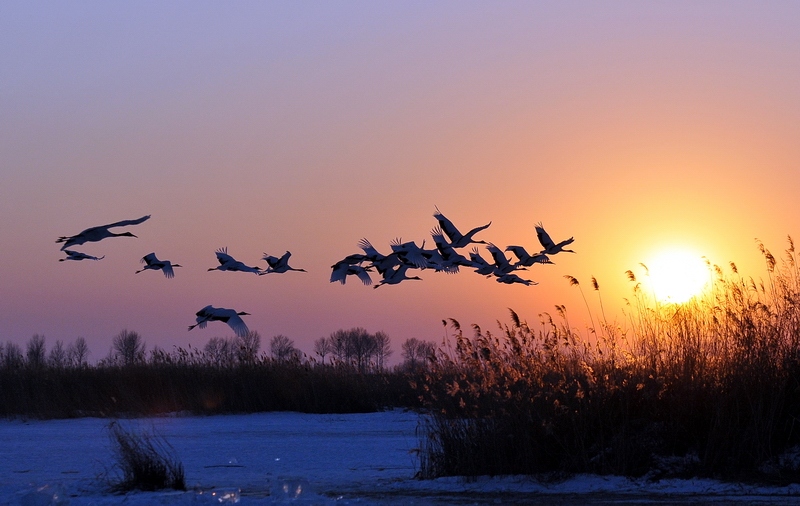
501,262
550,247
95,234
278,265
153,263
228,263
410,253
395,276
457,239
381,262
77,255
480,264
511,278
342,269
525,259
221,314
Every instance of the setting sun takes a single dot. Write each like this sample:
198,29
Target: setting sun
677,275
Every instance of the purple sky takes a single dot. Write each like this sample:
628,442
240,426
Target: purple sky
305,126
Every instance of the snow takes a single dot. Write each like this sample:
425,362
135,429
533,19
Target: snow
294,458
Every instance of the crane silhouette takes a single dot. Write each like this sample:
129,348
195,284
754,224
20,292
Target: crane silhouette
228,263
410,253
550,247
525,259
395,276
381,262
480,264
511,278
457,239
95,234
153,263
450,259
343,268
501,262
279,265
77,255
221,314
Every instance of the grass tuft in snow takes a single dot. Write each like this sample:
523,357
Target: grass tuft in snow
145,461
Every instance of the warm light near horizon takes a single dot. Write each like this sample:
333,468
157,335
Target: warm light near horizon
677,275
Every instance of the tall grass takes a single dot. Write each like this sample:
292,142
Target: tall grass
177,383
706,388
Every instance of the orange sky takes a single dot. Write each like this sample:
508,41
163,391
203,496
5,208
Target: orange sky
305,126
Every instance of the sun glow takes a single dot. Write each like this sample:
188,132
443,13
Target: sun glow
677,275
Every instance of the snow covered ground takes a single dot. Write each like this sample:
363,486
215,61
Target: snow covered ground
267,458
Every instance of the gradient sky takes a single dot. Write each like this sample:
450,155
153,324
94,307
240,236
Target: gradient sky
305,126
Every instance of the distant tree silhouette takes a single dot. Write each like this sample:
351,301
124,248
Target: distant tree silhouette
383,349
363,347
416,352
58,355
35,354
78,353
282,349
358,348
11,357
127,348
220,351
247,347
340,343
322,347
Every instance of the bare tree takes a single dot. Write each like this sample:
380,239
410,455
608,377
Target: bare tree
363,348
78,353
247,347
383,349
322,347
340,344
220,351
35,354
58,355
127,348
282,349
359,348
416,353
12,357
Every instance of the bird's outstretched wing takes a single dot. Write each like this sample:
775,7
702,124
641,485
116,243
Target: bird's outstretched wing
167,269
544,237
149,259
223,257
125,223
364,276
238,325
447,226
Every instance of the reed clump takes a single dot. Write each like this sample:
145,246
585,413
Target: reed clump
706,388
185,381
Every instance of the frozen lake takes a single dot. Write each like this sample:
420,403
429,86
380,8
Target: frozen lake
298,458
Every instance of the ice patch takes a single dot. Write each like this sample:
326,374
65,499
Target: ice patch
45,495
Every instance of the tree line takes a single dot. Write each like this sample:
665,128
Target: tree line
353,348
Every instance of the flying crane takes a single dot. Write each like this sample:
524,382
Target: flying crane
221,314
95,234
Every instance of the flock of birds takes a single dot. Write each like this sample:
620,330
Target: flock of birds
392,268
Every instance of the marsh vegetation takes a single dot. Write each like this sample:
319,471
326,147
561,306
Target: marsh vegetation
709,388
